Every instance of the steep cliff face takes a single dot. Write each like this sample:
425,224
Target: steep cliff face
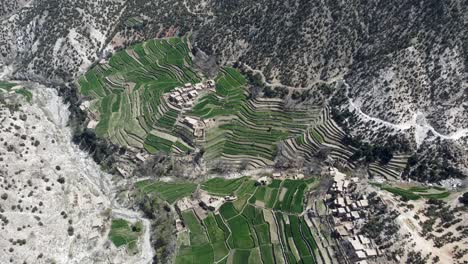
403,62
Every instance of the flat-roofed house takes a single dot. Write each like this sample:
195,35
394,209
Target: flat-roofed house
210,83
363,203
192,94
355,215
364,240
192,122
371,252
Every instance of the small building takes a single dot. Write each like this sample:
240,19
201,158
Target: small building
363,203
192,94
355,244
355,215
192,122
340,202
172,97
140,157
122,172
85,105
360,254
187,85
179,99
371,252
179,225
276,174
364,240
264,180
341,211
341,230
339,187
299,176
348,226
211,203
92,124
230,198
188,104
210,83
348,200
345,184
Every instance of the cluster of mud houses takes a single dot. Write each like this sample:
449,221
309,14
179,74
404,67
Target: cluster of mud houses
349,210
201,204
184,97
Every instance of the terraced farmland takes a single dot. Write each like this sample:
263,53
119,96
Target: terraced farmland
126,97
263,225
248,129
8,87
325,134
169,192
415,192
126,92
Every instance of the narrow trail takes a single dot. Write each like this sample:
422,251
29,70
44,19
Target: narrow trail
278,84
418,122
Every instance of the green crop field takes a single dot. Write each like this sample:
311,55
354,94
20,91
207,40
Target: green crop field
168,191
415,192
123,233
5,87
242,231
220,186
126,92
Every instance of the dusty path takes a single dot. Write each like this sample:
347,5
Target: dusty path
278,84
418,121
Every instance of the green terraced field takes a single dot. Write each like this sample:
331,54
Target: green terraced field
126,91
220,186
415,192
241,231
5,87
253,128
170,192
123,233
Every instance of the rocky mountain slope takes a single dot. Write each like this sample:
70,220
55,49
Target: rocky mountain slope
51,193
397,69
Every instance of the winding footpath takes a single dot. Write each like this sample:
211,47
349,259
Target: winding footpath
418,121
